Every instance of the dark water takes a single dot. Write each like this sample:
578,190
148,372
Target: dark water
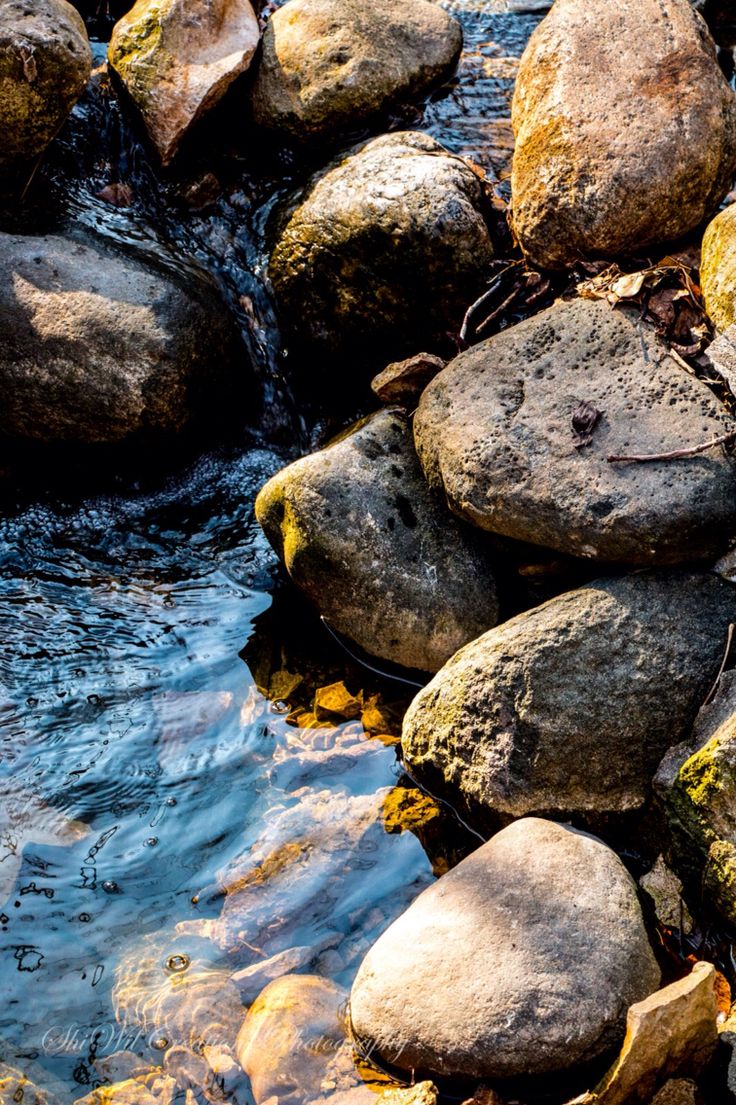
139,758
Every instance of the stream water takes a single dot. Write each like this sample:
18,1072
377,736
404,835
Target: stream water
137,624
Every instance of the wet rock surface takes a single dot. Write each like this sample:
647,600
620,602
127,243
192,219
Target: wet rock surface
177,58
383,253
329,65
568,708
495,431
625,130
524,910
364,537
45,63
103,347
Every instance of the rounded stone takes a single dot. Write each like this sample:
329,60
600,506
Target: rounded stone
523,960
494,430
567,709
45,63
625,129
383,254
718,269
330,65
362,534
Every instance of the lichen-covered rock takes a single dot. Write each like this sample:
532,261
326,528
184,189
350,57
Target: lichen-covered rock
625,129
523,960
101,347
568,708
696,784
494,430
45,63
329,65
177,58
364,537
718,268
384,252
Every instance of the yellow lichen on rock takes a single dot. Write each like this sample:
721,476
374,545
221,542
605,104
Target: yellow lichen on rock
718,269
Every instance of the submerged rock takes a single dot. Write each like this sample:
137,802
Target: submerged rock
363,536
177,58
568,708
100,347
495,431
330,65
718,269
384,252
625,129
670,1035
696,784
45,63
521,961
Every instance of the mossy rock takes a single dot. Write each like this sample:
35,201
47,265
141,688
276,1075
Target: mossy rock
45,64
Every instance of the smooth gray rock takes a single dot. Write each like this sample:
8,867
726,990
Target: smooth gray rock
101,347
567,709
523,960
494,430
379,555
331,65
45,63
383,254
625,129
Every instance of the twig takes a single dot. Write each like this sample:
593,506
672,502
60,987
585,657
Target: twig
724,661
487,297
675,454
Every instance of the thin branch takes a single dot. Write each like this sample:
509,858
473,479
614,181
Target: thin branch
675,454
724,661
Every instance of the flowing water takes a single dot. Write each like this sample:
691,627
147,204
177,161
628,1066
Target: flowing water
156,677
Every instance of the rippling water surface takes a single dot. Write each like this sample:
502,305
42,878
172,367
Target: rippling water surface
141,765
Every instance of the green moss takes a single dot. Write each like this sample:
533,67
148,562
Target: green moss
719,879
137,38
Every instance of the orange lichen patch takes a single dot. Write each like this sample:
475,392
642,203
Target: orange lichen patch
408,809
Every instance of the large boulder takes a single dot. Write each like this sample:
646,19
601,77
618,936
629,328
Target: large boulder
718,268
495,431
177,58
567,709
329,65
384,253
625,129
100,347
45,63
361,533
523,960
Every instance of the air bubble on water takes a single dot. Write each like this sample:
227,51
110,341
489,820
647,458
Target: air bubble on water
171,801
93,699
152,842
84,917
110,886
177,962
278,707
31,701
160,1043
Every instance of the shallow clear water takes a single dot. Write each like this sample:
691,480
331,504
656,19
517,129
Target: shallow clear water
140,766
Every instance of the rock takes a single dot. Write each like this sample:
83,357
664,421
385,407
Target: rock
494,430
336,702
678,1091
481,977
568,708
16,1087
696,784
45,63
384,252
721,356
625,130
404,381
718,270
156,1089
103,348
177,58
665,890
671,1034
330,65
416,585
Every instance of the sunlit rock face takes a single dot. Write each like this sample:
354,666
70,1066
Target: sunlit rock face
45,63
568,708
625,129
105,348
382,253
329,65
177,58
521,961
718,269
377,551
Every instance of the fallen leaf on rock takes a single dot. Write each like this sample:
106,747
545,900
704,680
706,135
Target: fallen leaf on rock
585,418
